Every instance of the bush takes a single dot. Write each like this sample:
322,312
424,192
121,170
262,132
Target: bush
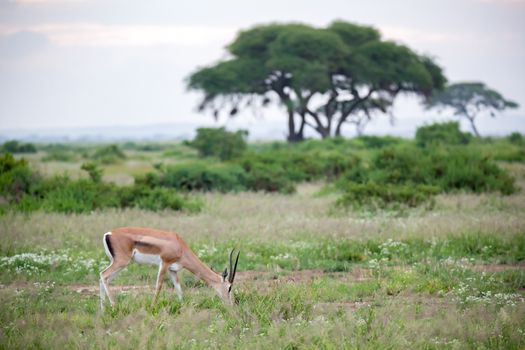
26,191
509,154
155,199
376,196
15,177
17,147
447,133
200,177
301,165
516,139
498,149
217,142
401,165
109,155
59,156
61,194
269,178
94,172
450,168
220,177
466,169
372,142
144,147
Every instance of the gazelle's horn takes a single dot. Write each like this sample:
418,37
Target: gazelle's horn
234,270
231,265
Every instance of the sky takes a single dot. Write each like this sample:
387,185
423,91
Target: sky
86,63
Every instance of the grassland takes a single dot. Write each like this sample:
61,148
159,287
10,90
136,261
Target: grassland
310,275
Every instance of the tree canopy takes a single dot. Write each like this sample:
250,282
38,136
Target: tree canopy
323,77
469,99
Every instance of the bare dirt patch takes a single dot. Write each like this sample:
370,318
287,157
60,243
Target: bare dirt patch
268,279
498,267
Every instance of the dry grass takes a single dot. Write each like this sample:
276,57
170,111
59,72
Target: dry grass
269,217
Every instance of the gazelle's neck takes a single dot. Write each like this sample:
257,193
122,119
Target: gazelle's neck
201,270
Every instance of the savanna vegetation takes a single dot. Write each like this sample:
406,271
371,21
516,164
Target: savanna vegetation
371,242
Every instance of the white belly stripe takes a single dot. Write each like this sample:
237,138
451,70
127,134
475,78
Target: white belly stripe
145,258
153,259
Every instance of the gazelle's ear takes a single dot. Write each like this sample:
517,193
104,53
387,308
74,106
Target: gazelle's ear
225,274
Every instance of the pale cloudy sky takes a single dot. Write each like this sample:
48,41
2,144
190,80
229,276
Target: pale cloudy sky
79,63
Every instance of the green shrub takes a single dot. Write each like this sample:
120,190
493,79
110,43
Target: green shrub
269,178
441,133
59,156
217,142
155,199
465,169
383,196
15,177
510,154
220,177
301,165
401,165
109,155
450,168
26,191
500,150
17,147
201,177
94,172
516,138
281,158
144,147
61,194
373,142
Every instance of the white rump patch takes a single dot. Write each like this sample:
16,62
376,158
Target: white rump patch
106,245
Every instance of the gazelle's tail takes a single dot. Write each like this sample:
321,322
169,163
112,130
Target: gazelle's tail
107,245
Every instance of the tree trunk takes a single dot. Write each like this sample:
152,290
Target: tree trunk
338,129
300,133
324,132
291,126
473,125
294,136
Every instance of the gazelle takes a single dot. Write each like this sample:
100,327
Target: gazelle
163,248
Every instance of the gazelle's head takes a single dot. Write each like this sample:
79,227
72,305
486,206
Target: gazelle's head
224,289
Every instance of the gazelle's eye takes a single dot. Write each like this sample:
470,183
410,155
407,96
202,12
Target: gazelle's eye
229,289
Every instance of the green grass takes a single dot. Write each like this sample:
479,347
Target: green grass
433,292
323,313
81,266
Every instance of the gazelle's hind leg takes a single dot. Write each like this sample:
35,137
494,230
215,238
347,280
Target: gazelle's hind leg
118,262
174,277
107,276
163,267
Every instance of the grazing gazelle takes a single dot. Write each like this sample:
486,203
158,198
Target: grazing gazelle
163,248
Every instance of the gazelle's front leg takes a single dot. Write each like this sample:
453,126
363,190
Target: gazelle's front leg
163,267
174,277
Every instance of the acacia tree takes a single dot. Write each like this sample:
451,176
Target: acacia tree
469,100
323,77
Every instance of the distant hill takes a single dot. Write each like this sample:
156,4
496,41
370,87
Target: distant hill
259,130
